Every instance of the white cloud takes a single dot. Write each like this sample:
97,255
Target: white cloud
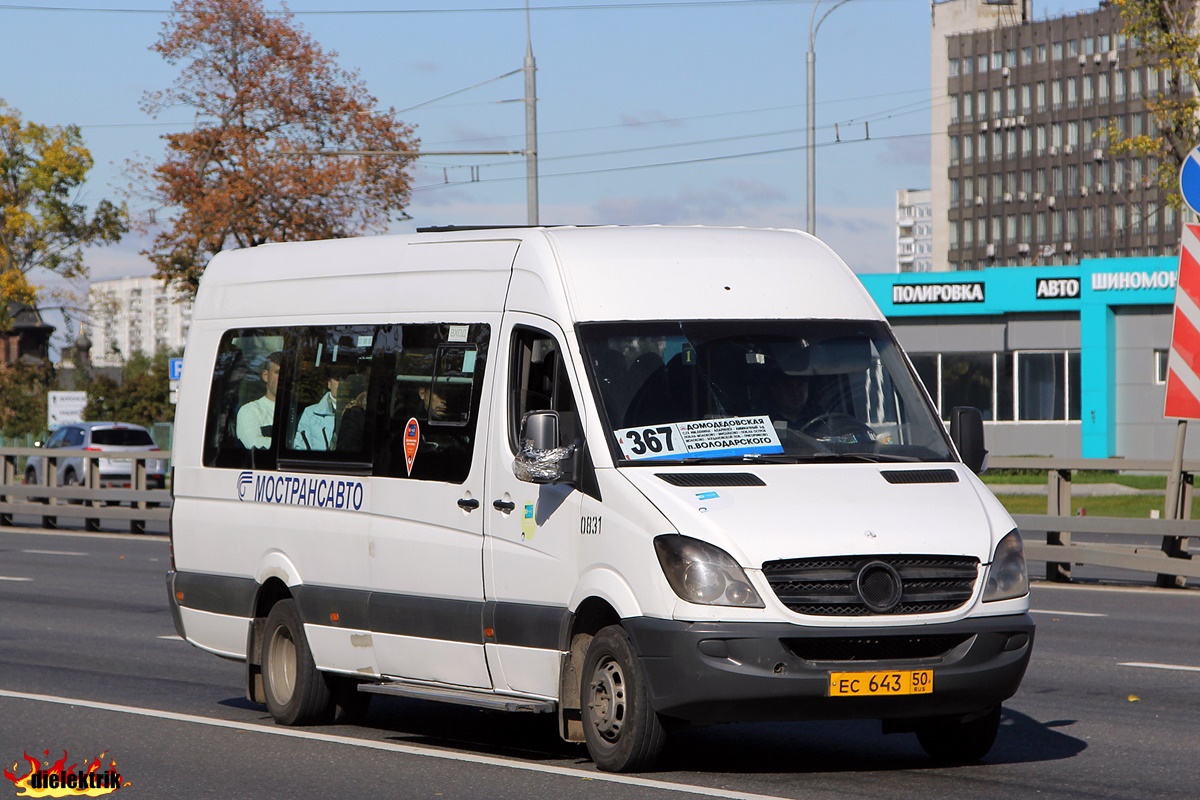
863,236
731,202
121,260
635,119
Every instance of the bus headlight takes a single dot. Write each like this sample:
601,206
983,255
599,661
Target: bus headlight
1007,576
701,573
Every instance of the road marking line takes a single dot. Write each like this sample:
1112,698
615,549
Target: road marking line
11,578
1066,613
1151,665
291,733
1078,587
55,552
87,535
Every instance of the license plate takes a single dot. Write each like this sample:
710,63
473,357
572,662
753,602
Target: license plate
881,684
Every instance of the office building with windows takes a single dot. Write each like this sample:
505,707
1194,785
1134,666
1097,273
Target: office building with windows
1022,170
132,314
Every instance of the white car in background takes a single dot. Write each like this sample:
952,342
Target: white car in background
106,437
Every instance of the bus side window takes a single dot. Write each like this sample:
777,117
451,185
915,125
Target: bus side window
538,382
436,386
241,413
328,416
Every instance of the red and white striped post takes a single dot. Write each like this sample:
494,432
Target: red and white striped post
1183,363
1183,381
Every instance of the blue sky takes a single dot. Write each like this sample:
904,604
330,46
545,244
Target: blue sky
649,111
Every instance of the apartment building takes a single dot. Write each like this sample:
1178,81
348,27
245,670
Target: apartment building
914,230
130,314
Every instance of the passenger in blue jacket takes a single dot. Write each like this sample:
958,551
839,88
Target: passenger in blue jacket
315,429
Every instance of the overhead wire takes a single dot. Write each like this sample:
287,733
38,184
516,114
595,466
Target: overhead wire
680,162
630,6
874,116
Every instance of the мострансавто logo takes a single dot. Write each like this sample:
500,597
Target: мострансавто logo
317,491
57,780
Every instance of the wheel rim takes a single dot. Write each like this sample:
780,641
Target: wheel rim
608,699
281,665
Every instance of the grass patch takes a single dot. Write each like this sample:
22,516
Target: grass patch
1028,477
1129,506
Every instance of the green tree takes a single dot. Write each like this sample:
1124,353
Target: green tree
142,395
1167,40
270,106
23,389
42,225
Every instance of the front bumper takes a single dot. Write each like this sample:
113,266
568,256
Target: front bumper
752,672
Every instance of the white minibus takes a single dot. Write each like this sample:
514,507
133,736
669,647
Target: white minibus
628,477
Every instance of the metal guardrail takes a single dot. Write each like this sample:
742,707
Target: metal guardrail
138,504
1166,550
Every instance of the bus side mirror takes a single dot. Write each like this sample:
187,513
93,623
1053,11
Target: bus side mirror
966,431
540,430
540,459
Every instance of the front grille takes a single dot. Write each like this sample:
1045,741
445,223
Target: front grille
875,648
831,587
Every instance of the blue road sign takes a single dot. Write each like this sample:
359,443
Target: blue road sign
175,368
1189,180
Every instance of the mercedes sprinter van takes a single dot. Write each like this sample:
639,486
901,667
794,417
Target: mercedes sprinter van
624,476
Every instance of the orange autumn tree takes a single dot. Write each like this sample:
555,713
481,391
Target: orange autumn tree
44,227
287,145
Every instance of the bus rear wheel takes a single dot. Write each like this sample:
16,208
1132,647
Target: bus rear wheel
297,694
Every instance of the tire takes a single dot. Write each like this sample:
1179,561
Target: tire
31,479
70,479
960,740
622,730
297,694
349,706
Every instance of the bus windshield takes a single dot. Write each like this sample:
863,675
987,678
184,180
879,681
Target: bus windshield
771,390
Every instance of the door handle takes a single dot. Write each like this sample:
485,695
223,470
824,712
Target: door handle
503,505
468,504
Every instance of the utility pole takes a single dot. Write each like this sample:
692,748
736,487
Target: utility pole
530,151
810,64
531,164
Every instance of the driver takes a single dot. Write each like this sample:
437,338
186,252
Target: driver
788,396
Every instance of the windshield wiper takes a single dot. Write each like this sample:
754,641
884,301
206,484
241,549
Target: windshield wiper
778,458
750,458
870,458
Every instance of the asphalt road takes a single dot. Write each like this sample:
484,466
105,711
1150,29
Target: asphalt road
90,664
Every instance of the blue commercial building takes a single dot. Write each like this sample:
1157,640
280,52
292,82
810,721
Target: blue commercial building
1063,361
